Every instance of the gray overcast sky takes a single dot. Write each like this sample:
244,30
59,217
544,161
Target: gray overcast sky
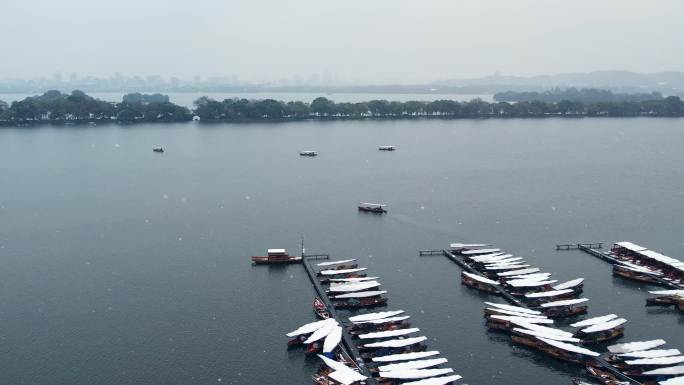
369,41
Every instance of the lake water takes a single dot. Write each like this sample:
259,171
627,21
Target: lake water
124,266
188,98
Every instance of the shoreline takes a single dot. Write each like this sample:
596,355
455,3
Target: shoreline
107,122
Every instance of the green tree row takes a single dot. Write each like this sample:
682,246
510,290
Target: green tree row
54,106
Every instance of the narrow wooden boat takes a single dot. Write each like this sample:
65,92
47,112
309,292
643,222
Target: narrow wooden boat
564,308
276,256
478,282
320,309
375,208
308,153
387,148
634,274
354,303
158,149
664,300
603,376
561,350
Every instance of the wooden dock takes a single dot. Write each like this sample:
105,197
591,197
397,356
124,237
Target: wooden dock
575,246
347,341
598,361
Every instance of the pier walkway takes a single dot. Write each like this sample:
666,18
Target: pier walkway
598,361
590,249
347,341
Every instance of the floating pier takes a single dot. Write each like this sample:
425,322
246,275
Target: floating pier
598,361
592,249
346,338
465,266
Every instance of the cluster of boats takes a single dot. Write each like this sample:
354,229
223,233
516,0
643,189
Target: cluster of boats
497,272
641,264
645,361
388,351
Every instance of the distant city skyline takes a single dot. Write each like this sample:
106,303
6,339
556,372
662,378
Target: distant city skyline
354,42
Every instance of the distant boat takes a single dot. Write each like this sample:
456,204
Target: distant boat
276,256
376,208
158,149
308,153
387,148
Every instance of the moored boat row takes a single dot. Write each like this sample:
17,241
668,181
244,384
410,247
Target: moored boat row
393,351
640,264
496,272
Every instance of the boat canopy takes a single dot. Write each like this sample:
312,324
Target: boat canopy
415,373
630,246
384,320
310,327
570,284
342,271
555,337
342,373
532,277
519,272
374,316
355,286
550,293
673,381
436,380
355,279
660,257
335,262
367,204
669,371
604,326
547,331
569,347
506,267
406,356
276,251
477,258
361,294
517,314
529,283
567,302
513,308
490,258
333,339
636,346
655,353
389,333
522,319
419,364
656,361
396,343
594,321
480,251
509,261
462,245
667,292
321,333
480,278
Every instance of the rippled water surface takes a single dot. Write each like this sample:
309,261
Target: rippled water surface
124,266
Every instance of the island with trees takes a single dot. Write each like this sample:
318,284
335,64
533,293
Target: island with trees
55,107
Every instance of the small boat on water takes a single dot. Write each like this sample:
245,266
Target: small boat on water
320,309
355,303
564,308
667,298
600,329
387,148
375,208
308,153
276,256
478,282
158,149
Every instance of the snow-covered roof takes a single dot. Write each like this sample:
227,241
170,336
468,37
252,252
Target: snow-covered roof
636,346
